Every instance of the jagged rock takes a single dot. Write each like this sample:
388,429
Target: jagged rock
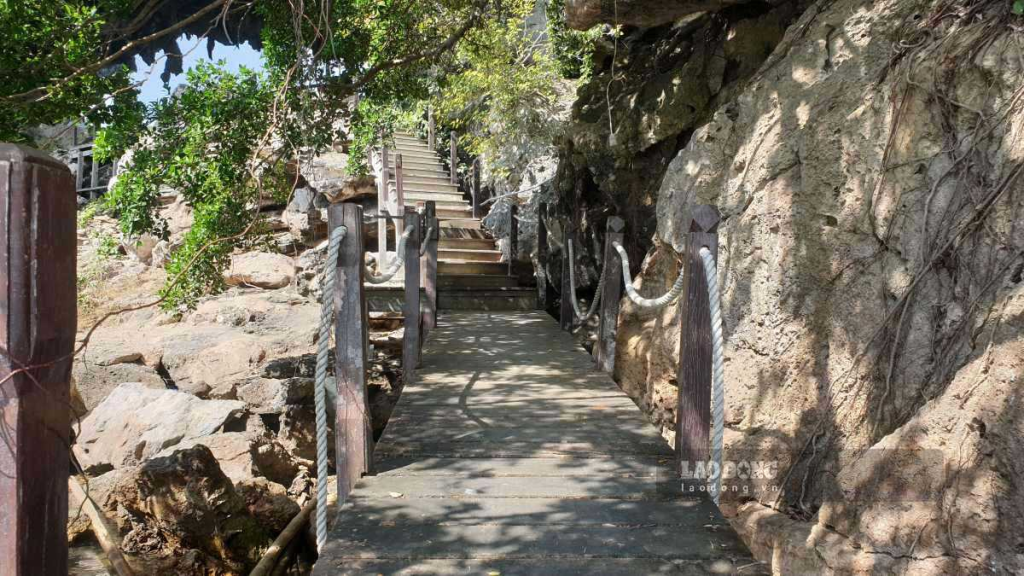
302,200
135,423
272,396
243,456
179,514
298,433
268,502
211,357
584,14
95,381
260,269
305,227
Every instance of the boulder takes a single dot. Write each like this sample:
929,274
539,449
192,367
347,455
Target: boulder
273,396
179,514
94,382
243,456
584,14
212,357
268,502
135,423
260,269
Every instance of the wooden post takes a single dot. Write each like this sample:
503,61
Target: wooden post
431,141
566,312
352,428
411,309
475,189
399,202
513,236
604,350
429,268
693,417
382,206
542,257
38,311
454,159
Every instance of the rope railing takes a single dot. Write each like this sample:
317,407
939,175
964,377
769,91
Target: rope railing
396,265
424,243
634,296
320,392
572,289
717,369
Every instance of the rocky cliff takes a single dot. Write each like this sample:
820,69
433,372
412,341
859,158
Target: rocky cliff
865,157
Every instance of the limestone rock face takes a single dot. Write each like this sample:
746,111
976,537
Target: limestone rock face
135,423
584,14
872,295
260,269
243,456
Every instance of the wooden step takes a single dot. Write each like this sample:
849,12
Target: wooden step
475,281
413,196
461,213
459,299
424,174
462,255
469,267
417,155
466,244
467,223
428,186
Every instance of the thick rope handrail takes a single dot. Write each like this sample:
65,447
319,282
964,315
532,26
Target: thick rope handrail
634,296
320,392
572,289
426,239
396,265
718,370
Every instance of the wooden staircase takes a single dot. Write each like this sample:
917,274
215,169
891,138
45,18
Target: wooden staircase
470,273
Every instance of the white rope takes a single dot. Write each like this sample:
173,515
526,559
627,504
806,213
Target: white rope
718,370
426,239
634,296
572,289
320,392
396,265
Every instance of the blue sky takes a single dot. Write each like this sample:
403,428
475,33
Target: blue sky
193,50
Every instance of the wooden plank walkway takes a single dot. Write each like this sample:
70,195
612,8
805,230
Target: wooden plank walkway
513,455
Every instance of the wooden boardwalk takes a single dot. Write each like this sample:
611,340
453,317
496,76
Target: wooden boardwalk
513,455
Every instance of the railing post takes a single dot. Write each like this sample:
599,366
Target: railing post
566,313
693,416
475,188
431,141
38,311
399,200
429,268
542,257
454,158
513,236
382,206
352,427
604,350
411,309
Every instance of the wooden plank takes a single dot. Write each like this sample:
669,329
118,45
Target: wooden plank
411,307
604,348
38,313
428,265
542,257
693,416
352,428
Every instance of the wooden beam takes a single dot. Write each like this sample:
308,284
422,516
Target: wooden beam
399,200
474,190
411,308
428,265
382,205
38,311
604,349
542,257
693,416
566,313
352,428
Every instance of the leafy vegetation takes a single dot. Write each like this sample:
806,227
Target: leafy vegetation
573,50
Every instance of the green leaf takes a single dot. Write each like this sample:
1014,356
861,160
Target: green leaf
1018,7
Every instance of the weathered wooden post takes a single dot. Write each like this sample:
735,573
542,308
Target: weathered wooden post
475,189
411,308
431,140
604,350
693,417
399,199
542,257
454,158
37,331
382,206
352,427
429,268
565,309
513,236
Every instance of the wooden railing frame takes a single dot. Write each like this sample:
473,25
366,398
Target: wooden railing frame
428,267
542,257
352,428
37,331
604,348
411,307
693,414
398,208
